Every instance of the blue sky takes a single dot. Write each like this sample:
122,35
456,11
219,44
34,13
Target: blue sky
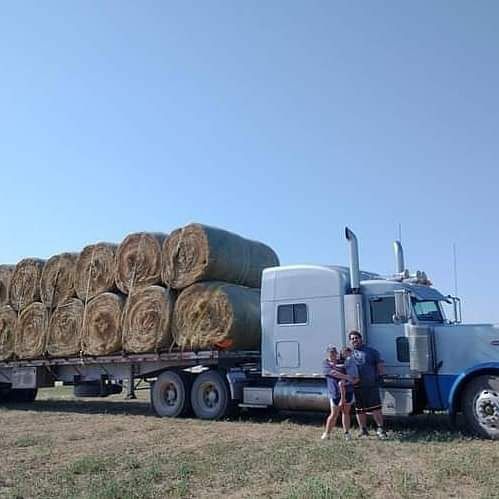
281,120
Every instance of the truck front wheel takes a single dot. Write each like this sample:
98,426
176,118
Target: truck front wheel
210,395
170,394
481,406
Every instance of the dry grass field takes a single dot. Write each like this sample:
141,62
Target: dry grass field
111,448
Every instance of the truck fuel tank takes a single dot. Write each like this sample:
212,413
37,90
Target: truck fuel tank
301,395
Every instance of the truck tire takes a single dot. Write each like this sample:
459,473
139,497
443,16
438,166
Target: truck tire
170,394
4,395
23,396
210,396
480,404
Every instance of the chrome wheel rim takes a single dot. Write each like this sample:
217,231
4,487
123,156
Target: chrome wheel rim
487,409
170,395
210,396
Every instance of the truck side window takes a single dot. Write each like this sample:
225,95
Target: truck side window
292,314
382,310
299,313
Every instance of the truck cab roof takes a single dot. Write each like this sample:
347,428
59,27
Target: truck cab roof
321,280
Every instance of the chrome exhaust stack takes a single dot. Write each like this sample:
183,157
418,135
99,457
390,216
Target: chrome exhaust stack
353,302
354,261
399,257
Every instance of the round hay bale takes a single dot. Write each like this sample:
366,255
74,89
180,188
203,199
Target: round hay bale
25,283
58,279
64,331
217,314
138,261
8,320
31,332
101,329
6,273
146,320
95,270
201,253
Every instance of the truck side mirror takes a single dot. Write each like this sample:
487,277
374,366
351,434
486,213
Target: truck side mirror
402,312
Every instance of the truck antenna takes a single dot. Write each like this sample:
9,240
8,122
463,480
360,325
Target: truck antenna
455,268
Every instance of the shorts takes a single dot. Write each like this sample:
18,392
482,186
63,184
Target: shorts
367,398
336,400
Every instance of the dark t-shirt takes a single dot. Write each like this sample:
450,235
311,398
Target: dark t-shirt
367,360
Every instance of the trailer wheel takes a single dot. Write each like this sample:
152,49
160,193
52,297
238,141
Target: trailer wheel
210,396
170,394
22,395
481,406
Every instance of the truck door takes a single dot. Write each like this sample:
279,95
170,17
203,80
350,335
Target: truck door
386,336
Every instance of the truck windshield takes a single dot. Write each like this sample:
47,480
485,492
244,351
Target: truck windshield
427,310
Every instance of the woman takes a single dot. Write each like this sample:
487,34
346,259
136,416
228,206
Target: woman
340,378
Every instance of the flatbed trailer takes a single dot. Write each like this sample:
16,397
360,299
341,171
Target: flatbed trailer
209,382
430,363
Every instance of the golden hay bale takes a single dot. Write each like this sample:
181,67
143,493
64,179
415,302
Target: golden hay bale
8,320
101,329
138,261
58,279
31,332
146,320
25,283
95,270
217,314
6,273
200,253
64,331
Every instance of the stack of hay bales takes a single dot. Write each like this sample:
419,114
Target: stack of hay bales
218,274
196,288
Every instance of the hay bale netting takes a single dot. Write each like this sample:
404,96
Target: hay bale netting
57,284
31,332
147,320
138,260
64,330
101,329
6,273
25,283
217,314
8,320
201,253
95,270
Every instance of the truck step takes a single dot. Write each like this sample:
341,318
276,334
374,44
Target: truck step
253,406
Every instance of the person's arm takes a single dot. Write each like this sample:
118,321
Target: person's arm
380,365
353,372
339,375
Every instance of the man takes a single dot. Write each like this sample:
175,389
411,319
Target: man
367,397
339,378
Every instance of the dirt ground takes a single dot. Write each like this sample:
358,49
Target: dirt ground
110,448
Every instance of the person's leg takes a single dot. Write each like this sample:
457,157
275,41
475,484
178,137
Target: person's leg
331,420
362,420
378,417
345,417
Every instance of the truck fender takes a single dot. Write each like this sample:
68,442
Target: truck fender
464,377
237,381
